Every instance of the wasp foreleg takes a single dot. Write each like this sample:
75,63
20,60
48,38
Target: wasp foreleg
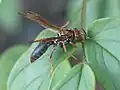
65,25
64,47
72,44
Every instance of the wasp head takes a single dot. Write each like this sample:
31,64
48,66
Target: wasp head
79,35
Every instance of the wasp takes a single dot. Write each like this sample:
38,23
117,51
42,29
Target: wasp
64,36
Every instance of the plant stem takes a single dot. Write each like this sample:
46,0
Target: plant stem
83,15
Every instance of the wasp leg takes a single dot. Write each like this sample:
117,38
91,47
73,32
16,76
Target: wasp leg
64,47
51,65
74,57
72,44
65,25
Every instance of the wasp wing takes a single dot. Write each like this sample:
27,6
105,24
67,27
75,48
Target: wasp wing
36,17
47,40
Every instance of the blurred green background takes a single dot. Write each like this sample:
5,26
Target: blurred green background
15,29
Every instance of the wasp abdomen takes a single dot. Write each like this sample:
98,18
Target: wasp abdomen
39,51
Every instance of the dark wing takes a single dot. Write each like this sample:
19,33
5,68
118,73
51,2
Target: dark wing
44,40
36,17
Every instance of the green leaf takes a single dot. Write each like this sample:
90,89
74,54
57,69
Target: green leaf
24,72
80,77
102,51
7,61
63,68
36,76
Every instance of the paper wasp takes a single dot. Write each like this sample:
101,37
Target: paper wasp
64,36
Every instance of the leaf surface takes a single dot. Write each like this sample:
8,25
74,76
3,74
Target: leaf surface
102,51
36,76
7,61
80,77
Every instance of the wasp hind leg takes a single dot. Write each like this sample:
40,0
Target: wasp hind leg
51,65
74,57
72,44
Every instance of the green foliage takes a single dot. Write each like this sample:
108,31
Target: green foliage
30,75
102,51
7,61
101,55
37,75
9,14
79,77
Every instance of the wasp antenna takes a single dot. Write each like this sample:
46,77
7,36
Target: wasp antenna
33,41
21,13
30,12
40,40
30,42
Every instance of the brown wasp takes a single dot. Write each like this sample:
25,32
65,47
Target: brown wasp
64,36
